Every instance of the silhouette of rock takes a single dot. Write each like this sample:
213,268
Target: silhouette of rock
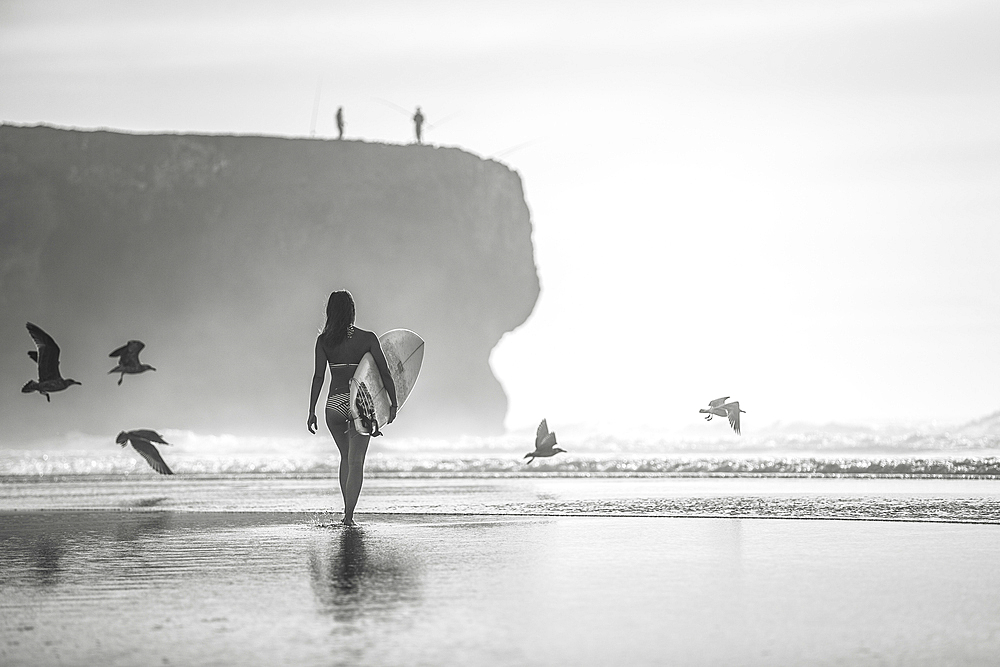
225,248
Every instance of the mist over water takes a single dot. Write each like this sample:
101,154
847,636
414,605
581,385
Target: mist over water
224,251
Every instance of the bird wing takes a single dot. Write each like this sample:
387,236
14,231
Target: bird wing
152,456
547,443
148,434
128,353
48,353
733,412
718,402
543,430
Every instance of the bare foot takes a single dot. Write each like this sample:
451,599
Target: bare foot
348,522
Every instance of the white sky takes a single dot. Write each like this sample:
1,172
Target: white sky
795,203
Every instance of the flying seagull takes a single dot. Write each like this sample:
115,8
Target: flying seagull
719,408
128,360
47,357
142,440
544,443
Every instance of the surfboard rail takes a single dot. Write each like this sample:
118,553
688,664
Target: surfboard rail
369,399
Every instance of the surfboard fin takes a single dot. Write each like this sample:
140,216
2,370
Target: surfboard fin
366,411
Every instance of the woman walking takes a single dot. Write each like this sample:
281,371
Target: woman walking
341,346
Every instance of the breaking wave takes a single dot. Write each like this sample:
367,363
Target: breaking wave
31,464
868,454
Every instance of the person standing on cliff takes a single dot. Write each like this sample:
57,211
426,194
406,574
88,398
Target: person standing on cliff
341,346
418,123
340,122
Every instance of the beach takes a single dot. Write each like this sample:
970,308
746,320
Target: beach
238,570
784,213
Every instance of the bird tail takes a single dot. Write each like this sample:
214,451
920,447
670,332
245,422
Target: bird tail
29,387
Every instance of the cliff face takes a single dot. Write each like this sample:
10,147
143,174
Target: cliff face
219,252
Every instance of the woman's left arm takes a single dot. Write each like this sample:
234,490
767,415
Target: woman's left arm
383,369
319,374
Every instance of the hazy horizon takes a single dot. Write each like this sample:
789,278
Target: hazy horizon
790,203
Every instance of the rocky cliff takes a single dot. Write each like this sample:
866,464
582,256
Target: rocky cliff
219,253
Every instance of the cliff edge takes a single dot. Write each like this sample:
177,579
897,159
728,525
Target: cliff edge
219,252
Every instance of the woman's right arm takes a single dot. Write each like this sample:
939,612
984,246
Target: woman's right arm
319,373
383,368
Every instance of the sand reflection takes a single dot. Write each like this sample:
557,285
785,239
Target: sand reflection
35,551
359,574
43,561
30,555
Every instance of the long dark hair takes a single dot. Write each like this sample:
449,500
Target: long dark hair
339,317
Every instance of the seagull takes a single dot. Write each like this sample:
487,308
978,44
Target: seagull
142,440
719,408
715,408
47,357
544,443
128,360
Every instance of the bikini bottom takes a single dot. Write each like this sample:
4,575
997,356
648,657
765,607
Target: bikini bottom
340,406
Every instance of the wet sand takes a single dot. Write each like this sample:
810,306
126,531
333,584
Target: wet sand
268,587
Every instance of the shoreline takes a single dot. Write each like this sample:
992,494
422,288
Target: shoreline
502,474
366,518
974,501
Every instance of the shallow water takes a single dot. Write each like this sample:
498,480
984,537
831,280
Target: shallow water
169,587
498,570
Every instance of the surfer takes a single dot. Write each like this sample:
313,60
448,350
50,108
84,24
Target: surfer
341,346
340,122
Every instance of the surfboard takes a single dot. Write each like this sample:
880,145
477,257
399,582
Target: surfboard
404,352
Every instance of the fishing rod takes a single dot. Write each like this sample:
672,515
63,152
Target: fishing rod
315,114
442,121
406,112
508,151
392,105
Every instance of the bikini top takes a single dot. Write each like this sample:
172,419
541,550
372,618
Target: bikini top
341,373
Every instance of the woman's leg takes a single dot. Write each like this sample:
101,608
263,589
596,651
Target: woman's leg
340,430
356,471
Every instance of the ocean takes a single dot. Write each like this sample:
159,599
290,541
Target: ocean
898,476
